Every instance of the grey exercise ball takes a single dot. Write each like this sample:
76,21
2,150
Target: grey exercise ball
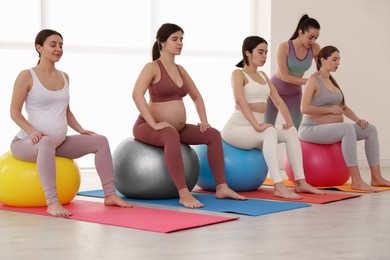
141,172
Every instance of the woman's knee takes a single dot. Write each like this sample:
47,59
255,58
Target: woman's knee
47,142
347,131
271,135
271,132
291,134
292,131
170,134
372,130
99,139
214,133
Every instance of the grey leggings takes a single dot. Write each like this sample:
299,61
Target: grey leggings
75,146
348,134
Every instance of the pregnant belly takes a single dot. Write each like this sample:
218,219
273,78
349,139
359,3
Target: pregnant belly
172,112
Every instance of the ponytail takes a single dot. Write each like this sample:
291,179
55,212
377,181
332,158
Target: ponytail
156,51
304,24
241,64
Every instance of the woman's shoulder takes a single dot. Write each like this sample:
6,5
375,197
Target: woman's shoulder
25,74
238,73
151,67
283,47
312,80
316,48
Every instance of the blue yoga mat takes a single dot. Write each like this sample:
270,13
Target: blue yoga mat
250,207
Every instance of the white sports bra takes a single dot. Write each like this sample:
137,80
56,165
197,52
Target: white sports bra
255,92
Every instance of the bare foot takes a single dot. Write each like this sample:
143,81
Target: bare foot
224,192
283,192
380,182
187,200
114,200
361,185
302,186
57,210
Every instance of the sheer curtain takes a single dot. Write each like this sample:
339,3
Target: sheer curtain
107,43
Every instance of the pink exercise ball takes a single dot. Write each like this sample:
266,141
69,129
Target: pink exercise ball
323,164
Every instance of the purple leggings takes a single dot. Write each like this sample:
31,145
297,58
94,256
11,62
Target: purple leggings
291,95
170,139
75,146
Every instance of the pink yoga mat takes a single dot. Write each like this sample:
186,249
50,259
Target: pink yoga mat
150,219
268,193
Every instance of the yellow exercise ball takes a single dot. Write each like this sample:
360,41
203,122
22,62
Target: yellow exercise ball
20,185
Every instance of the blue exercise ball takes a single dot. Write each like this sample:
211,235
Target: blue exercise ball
140,170
245,170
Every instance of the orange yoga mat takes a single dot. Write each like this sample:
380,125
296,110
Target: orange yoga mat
346,187
268,193
150,219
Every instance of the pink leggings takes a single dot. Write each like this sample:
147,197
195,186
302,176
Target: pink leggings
170,139
75,146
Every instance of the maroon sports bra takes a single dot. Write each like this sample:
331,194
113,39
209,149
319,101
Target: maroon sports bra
166,89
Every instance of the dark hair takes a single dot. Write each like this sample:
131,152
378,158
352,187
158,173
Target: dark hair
162,36
41,38
304,24
249,44
325,53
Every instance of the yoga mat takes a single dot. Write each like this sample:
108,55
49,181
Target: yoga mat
346,187
157,220
268,193
250,207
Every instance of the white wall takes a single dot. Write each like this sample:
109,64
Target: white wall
360,30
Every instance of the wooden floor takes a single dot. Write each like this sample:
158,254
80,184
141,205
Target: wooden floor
355,229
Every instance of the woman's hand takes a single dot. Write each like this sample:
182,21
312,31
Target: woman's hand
363,123
36,136
262,127
336,110
286,126
87,132
316,73
161,125
203,126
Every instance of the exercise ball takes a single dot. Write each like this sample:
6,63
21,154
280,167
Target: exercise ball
245,170
141,172
323,164
20,185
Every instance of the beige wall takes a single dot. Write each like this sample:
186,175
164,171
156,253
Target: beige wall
360,29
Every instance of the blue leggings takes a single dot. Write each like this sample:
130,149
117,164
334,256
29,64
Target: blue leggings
291,95
348,134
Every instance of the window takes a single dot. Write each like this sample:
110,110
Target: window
107,43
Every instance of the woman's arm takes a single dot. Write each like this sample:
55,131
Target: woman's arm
22,86
348,112
141,86
316,49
